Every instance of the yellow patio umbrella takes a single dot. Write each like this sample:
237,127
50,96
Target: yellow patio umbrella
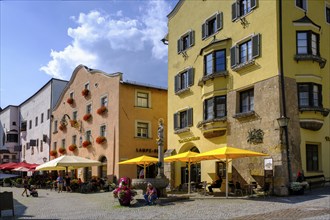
188,156
226,153
142,161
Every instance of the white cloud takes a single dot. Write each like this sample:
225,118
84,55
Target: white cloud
116,43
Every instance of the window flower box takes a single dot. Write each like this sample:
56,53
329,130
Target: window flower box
72,147
53,153
87,117
86,144
62,127
101,139
70,101
62,150
101,110
73,123
85,92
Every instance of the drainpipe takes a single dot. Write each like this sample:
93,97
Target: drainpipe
283,98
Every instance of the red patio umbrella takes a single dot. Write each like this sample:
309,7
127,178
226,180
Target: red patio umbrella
7,166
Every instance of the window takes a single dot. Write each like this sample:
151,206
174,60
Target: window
30,124
143,99
74,139
186,41
244,52
14,123
104,101
55,145
327,14
309,95
63,143
71,95
247,101
42,118
212,25
308,43
41,146
215,62
312,157
302,4
36,121
86,86
74,115
55,125
215,107
13,138
88,135
183,119
48,114
184,79
103,130
142,129
89,109
23,126
241,8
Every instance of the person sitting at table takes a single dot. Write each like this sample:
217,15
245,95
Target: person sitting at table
216,184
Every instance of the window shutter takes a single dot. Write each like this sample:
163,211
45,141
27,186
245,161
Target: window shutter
320,96
190,117
203,31
190,76
176,83
175,121
234,13
191,38
233,60
255,46
253,4
219,21
179,45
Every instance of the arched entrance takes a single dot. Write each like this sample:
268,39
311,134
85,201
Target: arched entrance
195,170
102,170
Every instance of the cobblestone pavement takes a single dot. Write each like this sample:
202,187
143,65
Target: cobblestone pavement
314,204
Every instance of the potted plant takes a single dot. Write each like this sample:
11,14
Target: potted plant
124,193
70,101
62,150
100,139
73,123
72,147
101,110
53,153
87,117
6,182
85,92
62,127
86,144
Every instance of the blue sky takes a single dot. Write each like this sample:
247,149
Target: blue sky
45,39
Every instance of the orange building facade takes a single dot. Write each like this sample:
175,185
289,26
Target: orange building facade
101,117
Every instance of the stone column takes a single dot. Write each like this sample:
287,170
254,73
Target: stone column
160,142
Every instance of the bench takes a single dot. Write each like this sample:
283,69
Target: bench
315,180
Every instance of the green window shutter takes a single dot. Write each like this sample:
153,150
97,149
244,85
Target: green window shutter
190,117
175,121
179,45
233,59
203,31
190,76
253,4
191,38
234,11
219,17
176,83
255,46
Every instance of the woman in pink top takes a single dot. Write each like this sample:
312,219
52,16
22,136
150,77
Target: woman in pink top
151,194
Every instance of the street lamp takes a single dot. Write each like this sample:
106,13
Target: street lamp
283,122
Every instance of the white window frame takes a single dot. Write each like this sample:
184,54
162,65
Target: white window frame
137,98
149,135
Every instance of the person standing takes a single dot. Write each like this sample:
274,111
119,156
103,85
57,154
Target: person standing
68,183
26,186
60,182
151,194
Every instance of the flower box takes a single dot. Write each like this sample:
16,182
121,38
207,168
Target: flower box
101,110
101,139
86,144
61,150
70,101
53,153
85,92
62,127
87,117
72,147
73,123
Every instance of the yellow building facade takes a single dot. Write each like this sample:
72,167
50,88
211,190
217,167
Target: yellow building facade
101,117
236,67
